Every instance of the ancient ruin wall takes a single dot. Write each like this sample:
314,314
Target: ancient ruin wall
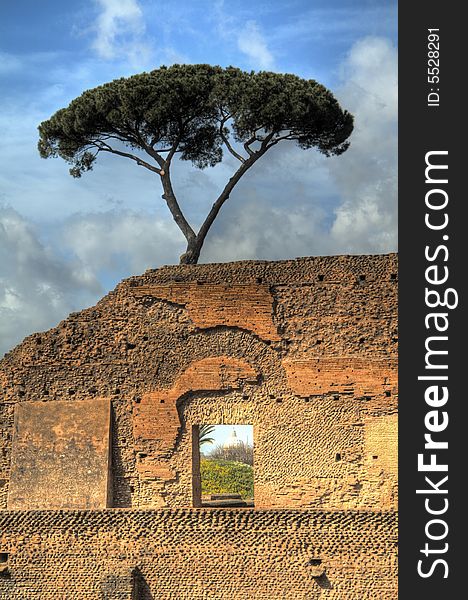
198,554
303,350
60,455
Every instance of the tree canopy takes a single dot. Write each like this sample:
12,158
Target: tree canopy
195,112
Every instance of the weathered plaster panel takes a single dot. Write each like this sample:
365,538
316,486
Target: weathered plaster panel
60,455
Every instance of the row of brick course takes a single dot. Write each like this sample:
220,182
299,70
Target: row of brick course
199,554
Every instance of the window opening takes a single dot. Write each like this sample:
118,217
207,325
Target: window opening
4,563
223,466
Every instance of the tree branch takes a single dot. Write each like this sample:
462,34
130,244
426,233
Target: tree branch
251,140
226,141
167,150
124,135
266,140
280,138
164,173
174,207
247,147
103,147
225,194
172,151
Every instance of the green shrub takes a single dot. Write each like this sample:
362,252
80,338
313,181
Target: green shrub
226,477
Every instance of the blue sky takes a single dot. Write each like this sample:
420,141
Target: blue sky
65,242
221,433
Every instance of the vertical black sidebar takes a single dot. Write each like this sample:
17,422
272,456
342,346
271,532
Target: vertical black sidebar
433,239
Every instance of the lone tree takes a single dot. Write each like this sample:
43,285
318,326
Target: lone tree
195,112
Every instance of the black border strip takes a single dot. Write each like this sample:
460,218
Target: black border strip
437,126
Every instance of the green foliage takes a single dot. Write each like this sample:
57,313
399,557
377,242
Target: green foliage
204,435
195,112
186,107
226,477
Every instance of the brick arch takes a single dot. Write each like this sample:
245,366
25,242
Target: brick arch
219,358
155,414
233,342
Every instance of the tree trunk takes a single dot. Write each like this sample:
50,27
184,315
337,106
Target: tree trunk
192,254
195,242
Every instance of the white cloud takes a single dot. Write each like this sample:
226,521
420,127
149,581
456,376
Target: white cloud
121,241
245,34
37,288
337,22
120,31
366,174
297,203
251,42
253,229
86,255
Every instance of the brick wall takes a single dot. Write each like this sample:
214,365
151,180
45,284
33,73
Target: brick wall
198,554
311,374
304,350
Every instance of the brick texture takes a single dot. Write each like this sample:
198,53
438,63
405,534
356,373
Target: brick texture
199,554
305,351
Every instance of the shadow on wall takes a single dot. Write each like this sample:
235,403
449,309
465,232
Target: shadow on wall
324,582
141,590
122,486
130,584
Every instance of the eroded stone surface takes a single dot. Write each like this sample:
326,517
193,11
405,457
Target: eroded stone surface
60,455
199,554
305,351
359,377
213,305
315,391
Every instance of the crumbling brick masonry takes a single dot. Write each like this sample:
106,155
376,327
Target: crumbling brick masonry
303,350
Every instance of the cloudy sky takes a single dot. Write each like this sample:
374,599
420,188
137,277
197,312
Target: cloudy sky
65,242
